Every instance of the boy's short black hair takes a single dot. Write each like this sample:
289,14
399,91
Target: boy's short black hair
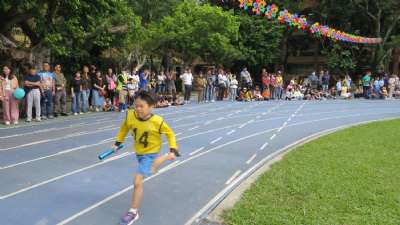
147,97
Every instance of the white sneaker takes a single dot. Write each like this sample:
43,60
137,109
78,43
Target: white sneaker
122,111
15,122
212,100
38,119
7,123
80,113
75,114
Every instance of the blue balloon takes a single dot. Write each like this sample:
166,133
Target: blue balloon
19,93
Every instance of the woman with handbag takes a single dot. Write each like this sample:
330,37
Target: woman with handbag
99,92
8,84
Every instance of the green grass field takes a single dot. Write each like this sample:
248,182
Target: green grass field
349,177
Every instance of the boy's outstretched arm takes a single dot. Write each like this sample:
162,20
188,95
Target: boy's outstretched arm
123,131
169,133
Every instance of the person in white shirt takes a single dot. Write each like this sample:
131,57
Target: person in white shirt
245,78
161,82
222,85
233,88
187,79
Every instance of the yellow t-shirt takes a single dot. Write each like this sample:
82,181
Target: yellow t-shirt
146,133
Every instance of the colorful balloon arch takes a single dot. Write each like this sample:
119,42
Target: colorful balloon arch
271,11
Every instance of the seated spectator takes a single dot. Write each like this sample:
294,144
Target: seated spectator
289,92
162,102
257,94
266,94
245,95
297,95
108,106
358,93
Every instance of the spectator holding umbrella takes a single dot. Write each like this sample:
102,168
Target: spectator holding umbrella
8,84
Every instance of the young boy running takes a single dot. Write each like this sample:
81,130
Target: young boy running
146,130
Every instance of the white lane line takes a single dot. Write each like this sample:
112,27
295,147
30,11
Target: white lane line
27,144
273,136
196,151
285,123
231,132
289,119
178,134
264,146
194,128
220,118
216,140
64,175
105,127
229,115
251,159
250,121
243,125
56,154
280,129
123,191
233,177
208,122
169,166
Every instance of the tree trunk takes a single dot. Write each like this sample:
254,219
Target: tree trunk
396,61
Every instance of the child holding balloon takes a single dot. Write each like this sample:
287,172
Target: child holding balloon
146,130
8,84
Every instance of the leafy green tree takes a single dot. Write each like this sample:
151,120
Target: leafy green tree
199,31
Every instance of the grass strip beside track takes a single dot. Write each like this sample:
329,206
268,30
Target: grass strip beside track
348,177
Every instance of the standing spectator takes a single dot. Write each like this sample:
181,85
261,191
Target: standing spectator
86,87
313,79
61,95
122,90
48,88
245,78
325,82
170,83
366,84
279,86
272,86
348,80
265,79
233,89
98,92
201,85
132,87
32,90
211,79
222,85
187,79
144,76
339,88
8,84
320,76
392,85
92,75
76,90
161,83
111,79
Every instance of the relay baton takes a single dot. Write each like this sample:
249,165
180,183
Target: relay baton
109,152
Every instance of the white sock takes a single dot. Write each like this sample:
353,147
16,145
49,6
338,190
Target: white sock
132,210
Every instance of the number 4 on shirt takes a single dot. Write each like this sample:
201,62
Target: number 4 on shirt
143,139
